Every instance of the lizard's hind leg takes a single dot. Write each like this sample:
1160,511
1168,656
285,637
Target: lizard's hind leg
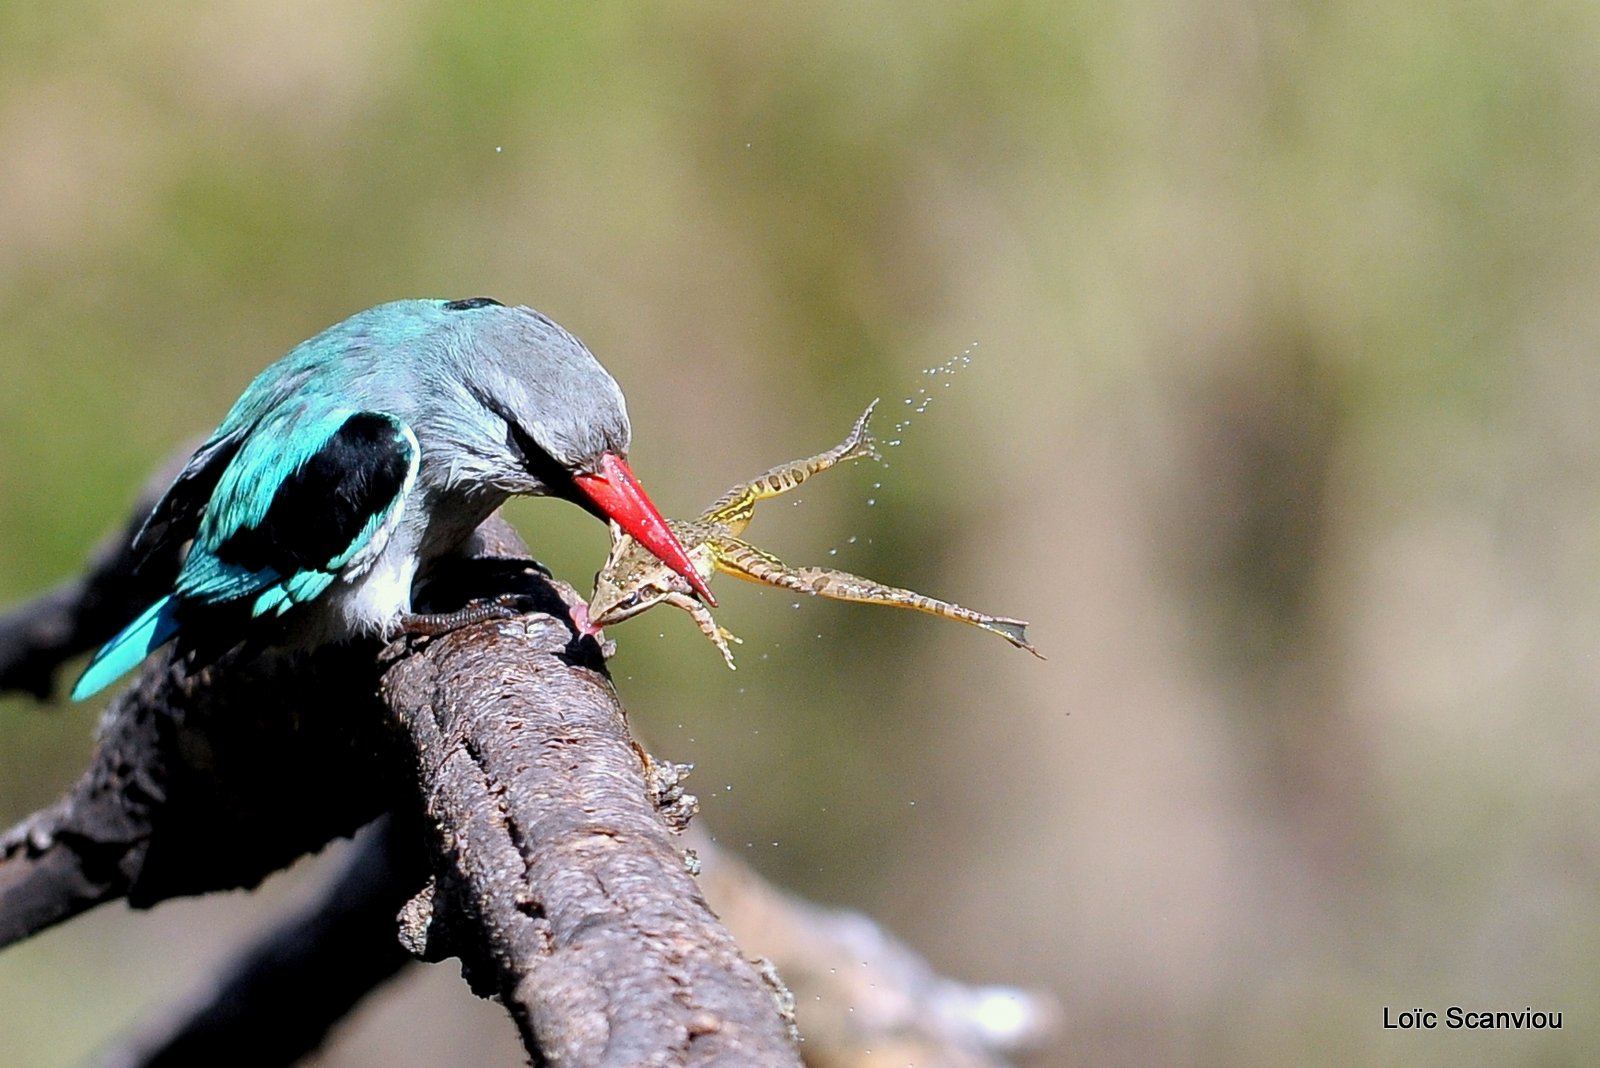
743,560
734,508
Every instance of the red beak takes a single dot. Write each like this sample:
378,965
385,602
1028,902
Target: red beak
620,497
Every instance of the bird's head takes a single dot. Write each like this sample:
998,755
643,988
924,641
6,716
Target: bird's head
545,419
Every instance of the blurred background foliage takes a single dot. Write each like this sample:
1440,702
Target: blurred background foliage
1280,426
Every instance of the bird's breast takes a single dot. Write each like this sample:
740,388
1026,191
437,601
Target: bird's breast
430,526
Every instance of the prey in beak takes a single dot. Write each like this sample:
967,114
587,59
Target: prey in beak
633,582
617,495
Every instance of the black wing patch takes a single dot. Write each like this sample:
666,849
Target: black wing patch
176,515
319,511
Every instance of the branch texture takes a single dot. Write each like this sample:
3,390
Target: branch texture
504,757
520,828
561,878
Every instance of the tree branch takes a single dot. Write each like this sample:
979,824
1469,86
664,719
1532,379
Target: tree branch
527,834
864,998
204,783
279,998
566,894
36,638
555,879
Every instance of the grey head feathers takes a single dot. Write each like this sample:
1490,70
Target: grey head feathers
544,382
500,397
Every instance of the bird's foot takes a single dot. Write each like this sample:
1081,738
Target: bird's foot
433,624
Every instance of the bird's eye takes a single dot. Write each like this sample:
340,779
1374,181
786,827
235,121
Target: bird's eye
539,463
472,302
632,599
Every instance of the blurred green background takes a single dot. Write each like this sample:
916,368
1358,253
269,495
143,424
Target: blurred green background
1280,427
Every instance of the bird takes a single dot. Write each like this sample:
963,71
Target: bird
365,454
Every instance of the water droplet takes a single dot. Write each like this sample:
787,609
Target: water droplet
833,552
851,540
870,502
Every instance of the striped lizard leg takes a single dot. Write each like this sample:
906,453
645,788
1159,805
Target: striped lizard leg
720,636
734,508
743,560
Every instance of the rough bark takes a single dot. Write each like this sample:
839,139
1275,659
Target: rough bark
500,745
522,830
597,938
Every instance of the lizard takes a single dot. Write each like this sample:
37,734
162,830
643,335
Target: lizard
633,580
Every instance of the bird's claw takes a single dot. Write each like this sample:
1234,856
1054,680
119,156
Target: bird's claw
434,624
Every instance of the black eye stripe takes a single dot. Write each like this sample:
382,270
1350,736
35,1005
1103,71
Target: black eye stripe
539,463
472,302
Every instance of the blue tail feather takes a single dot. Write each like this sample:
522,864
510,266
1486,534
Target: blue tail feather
153,629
